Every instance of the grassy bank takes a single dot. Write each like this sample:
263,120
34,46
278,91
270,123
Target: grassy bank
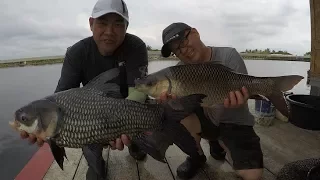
31,63
153,56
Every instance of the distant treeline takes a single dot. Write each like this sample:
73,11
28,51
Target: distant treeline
266,51
308,53
149,48
269,51
253,51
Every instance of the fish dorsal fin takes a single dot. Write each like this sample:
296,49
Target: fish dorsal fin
103,78
106,83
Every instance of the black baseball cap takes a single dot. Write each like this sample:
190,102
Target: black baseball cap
172,32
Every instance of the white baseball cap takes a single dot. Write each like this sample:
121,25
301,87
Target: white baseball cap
103,7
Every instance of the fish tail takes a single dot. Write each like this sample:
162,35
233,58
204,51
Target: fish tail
157,142
286,83
282,84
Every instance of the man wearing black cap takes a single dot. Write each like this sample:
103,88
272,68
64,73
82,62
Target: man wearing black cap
110,46
231,123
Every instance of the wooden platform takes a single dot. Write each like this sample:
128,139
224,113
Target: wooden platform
281,143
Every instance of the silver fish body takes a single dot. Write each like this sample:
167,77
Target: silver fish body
216,81
91,118
97,114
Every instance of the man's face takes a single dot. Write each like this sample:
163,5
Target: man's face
108,32
188,49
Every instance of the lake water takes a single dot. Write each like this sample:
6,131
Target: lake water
21,85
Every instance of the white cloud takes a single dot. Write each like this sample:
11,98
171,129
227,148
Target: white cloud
42,28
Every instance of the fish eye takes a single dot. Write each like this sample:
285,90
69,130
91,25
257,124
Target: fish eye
24,118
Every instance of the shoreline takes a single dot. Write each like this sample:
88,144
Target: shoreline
152,56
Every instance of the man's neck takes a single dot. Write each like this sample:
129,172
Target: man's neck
206,55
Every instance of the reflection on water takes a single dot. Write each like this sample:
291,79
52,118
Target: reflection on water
21,85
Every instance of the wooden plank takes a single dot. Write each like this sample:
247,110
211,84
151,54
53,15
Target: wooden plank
122,166
70,166
151,169
83,165
316,16
283,143
315,36
217,169
315,133
81,170
175,157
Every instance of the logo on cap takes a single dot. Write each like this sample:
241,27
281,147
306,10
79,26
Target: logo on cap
173,37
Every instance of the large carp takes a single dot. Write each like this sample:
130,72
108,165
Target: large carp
216,81
96,114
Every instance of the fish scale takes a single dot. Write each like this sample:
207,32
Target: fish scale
216,81
220,81
97,114
81,127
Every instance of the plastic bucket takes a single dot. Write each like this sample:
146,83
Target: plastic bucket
304,111
264,108
265,112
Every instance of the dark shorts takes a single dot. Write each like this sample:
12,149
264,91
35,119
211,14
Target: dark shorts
241,140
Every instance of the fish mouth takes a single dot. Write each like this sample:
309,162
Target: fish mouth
14,124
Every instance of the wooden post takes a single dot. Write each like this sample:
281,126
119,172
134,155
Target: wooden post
314,73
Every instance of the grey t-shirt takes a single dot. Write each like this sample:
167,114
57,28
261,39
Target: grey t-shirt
231,58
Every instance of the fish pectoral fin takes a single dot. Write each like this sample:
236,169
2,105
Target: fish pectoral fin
153,143
186,104
212,106
177,132
176,105
181,137
58,152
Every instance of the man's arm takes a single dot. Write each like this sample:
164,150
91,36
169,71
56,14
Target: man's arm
237,98
236,62
137,66
71,69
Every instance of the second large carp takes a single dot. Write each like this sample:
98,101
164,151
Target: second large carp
216,81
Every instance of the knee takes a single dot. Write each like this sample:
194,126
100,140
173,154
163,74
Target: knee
250,174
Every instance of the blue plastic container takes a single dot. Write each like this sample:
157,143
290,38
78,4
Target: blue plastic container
265,108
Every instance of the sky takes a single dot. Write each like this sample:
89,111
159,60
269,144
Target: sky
46,28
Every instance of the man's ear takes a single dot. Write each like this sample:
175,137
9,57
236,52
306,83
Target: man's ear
91,20
195,32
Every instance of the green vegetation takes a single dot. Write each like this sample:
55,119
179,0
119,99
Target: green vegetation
31,63
267,54
266,51
307,53
154,55
149,48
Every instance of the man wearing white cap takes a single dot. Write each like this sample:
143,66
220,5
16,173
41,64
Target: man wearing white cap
110,46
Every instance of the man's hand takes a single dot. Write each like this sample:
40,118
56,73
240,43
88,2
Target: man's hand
119,143
237,99
32,138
